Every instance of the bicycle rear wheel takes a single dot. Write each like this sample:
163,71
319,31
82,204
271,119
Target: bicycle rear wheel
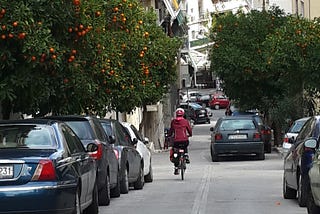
182,167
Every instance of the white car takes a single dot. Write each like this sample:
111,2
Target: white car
190,96
142,149
292,133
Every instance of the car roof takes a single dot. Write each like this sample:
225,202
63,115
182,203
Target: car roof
39,121
70,117
302,119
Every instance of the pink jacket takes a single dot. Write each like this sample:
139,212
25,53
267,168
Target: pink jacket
180,129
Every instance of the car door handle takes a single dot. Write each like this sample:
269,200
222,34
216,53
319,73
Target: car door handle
65,160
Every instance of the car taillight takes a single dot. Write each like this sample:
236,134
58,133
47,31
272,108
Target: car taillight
116,153
256,135
286,140
97,155
45,171
218,136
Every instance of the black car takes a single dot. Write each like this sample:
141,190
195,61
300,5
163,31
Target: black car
131,162
89,130
236,136
298,161
195,112
44,168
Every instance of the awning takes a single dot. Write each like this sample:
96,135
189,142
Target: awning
170,9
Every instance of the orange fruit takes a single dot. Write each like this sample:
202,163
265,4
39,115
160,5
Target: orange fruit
15,24
51,50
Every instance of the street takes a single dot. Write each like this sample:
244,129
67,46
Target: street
231,186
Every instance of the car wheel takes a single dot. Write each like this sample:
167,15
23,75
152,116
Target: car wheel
149,177
115,192
288,193
77,204
311,206
268,148
216,107
94,206
261,156
140,181
124,182
302,191
104,193
214,156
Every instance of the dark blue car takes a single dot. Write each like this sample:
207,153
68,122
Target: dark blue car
44,168
298,161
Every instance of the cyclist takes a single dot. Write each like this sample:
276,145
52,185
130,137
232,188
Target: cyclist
180,130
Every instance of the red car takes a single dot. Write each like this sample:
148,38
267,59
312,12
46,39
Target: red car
219,101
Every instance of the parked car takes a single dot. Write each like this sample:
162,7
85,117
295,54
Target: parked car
313,195
298,161
142,148
236,136
195,112
89,130
45,168
130,160
204,100
219,101
190,96
292,133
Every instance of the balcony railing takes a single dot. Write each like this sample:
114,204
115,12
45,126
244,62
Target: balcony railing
199,42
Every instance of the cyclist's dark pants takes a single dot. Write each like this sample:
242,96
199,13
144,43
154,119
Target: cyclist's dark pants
177,145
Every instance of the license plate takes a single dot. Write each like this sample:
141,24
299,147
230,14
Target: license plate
238,137
6,172
201,115
181,150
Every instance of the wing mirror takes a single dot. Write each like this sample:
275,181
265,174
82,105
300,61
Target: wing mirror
211,129
92,147
112,139
291,140
135,140
311,143
146,140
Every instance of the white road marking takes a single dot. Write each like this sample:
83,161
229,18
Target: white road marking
200,202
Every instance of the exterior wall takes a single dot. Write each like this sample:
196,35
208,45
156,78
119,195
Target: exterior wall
285,5
306,8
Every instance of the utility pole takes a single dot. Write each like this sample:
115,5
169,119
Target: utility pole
263,5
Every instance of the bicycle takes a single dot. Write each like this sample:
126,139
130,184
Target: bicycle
179,154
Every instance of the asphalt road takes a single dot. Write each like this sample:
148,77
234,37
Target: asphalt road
231,186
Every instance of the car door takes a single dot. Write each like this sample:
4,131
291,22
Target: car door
145,152
112,159
292,160
82,162
133,155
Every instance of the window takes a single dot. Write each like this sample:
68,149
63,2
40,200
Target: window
73,142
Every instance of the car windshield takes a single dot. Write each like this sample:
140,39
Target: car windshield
237,124
26,136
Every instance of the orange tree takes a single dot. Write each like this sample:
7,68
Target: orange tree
293,53
237,56
81,56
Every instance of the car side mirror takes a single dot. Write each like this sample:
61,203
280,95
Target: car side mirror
211,129
146,140
112,139
310,143
135,140
92,147
291,140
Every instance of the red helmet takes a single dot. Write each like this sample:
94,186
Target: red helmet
179,112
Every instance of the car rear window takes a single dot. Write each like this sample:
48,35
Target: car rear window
26,136
297,126
82,129
236,124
